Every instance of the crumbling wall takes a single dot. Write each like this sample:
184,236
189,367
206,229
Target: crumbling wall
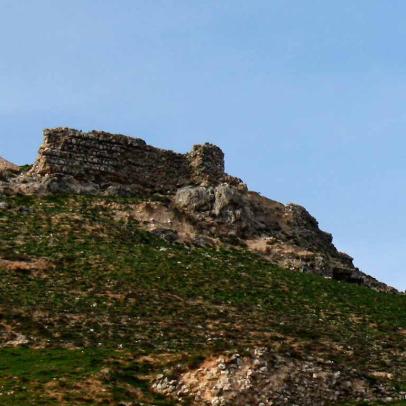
206,163
104,158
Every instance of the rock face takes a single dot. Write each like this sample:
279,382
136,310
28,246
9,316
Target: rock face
203,203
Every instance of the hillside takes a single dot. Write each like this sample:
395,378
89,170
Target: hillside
176,285
94,309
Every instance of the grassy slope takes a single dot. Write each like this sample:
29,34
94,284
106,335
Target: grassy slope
117,294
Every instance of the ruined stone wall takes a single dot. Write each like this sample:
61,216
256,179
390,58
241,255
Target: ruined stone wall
104,158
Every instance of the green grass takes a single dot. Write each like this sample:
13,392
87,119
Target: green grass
25,168
45,363
117,290
29,376
24,371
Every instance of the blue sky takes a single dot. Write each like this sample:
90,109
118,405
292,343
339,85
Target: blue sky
306,98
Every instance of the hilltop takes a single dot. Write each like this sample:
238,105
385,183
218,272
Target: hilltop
199,201
121,286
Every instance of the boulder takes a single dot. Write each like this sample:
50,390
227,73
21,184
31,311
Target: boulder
195,198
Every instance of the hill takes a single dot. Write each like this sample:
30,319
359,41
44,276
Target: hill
198,201
102,305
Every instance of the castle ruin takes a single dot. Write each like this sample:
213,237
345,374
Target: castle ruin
103,159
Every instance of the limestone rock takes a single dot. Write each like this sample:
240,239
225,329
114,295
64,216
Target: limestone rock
263,377
194,199
287,235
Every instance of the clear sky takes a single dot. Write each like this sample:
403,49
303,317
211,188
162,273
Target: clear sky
306,98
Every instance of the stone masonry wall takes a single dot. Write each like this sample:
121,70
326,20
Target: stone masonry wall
104,158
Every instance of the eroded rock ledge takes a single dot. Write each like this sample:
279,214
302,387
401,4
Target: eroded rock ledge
202,203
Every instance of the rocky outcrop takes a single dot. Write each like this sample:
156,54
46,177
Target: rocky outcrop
203,203
260,377
286,234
